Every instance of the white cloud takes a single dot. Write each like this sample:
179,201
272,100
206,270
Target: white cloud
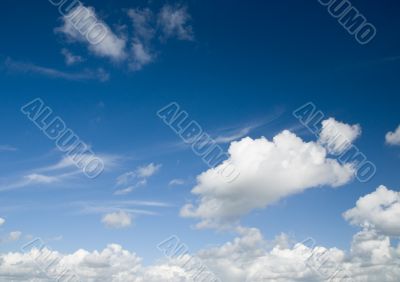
35,178
379,210
144,32
143,23
177,181
269,171
138,50
124,191
30,179
111,46
118,219
136,178
233,133
29,68
71,59
2,221
337,136
141,56
174,22
128,206
14,236
393,138
67,162
249,257
7,148
148,170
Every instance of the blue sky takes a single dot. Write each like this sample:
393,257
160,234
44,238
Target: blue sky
239,69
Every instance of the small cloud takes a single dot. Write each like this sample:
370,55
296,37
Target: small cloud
56,238
136,178
393,138
40,178
234,133
141,56
2,221
149,170
29,68
117,220
125,191
337,136
31,179
71,59
14,236
111,46
7,148
176,182
174,23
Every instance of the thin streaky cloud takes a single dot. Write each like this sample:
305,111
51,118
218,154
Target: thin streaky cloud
236,132
7,148
29,68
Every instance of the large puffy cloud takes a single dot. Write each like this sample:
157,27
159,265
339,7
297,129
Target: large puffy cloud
269,171
379,210
337,136
249,257
393,138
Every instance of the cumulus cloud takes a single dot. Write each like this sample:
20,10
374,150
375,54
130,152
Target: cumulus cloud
393,138
2,221
269,171
379,210
76,27
337,136
249,257
119,219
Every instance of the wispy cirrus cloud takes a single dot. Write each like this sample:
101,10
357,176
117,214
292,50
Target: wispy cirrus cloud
7,148
117,209
57,173
134,179
28,68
